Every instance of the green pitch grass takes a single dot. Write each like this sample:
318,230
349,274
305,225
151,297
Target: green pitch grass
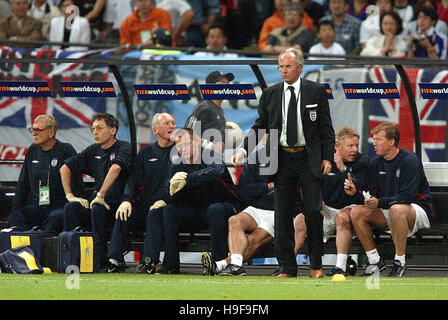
196,287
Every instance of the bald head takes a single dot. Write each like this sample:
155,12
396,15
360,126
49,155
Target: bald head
163,126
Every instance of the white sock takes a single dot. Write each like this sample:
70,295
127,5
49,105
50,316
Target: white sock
402,259
115,262
236,259
373,256
221,265
341,261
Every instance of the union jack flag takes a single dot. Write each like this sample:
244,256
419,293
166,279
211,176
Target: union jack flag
73,114
432,112
70,112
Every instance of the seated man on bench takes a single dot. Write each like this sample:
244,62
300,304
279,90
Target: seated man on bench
348,163
200,193
257,220
400,202
39,198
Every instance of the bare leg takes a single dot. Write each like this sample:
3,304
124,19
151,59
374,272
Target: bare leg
363,219
299,232
402,219
238,226
256,239
344,231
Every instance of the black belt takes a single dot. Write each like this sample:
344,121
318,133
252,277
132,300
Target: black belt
293,150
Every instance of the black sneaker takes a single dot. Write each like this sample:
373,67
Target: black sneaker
233,270
115,268
210,268
397,269
146,266
336,270
371,268
276,272
351,268
168,270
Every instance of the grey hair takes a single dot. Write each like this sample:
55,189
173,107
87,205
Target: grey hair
155,120
298,53
50,121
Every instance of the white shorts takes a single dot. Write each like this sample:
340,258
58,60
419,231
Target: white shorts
421,219
263,218
329,224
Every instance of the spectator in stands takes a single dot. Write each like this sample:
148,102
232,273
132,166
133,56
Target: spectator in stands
78,31
181,16
427,42
326,35
216,39
19,26
442,10
138,27
357,9
5,9
115,12
257,221
346,26
142,199
44,11
348,164
276,21
109,162
398,202
441,26
292,34
92,10
200,194
405,10
370,27
208,115
205,14
389,43
313,9
40,180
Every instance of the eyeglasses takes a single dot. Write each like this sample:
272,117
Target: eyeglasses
31,130
92,129
287,67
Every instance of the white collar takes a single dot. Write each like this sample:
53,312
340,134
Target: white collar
296,86
429,32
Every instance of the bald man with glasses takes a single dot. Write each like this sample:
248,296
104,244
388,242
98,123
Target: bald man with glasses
39,198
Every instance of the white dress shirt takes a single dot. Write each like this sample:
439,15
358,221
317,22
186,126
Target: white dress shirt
285,104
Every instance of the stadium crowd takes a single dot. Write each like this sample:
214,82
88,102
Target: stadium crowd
400,28
169,186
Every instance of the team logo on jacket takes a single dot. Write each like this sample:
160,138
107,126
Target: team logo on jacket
398,173
54,162
313,115
112,156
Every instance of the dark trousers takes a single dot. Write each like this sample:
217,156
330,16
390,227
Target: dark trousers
101,220
215,216
153,236
293,170
48,217
121,231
